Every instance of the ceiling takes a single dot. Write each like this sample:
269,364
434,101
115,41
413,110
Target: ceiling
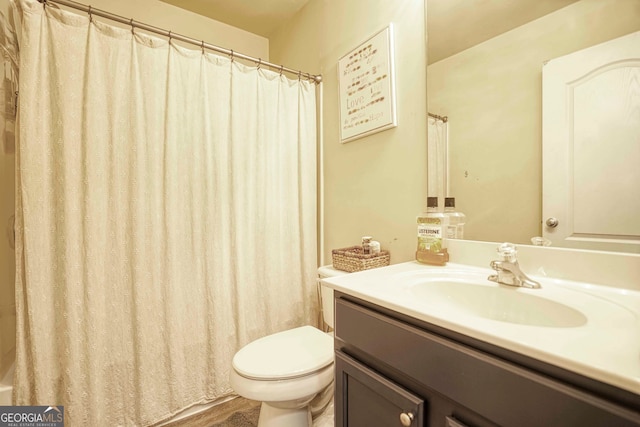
453,25
456,25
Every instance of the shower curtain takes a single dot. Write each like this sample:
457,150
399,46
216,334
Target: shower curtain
437,163
166,216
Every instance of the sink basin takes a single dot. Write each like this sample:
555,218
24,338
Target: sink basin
495,302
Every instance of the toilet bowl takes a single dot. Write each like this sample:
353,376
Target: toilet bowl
290,372
285,371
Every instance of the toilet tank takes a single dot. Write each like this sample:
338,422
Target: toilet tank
326,294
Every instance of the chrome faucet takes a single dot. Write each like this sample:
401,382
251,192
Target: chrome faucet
508,269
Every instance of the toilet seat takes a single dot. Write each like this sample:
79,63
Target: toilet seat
285,355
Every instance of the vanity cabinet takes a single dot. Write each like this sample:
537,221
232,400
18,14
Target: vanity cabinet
392,370
373,399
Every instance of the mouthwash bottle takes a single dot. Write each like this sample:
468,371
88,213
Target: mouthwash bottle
432,239
455,228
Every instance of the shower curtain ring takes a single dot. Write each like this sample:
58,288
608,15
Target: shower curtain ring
299,75
202,46
90,15
169,36
281,69
231,55
132,26
259,62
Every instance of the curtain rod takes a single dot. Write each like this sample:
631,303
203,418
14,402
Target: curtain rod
437,117
171,35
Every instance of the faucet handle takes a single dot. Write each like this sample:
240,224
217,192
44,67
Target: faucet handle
507,252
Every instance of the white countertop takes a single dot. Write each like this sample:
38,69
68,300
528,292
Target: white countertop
605,346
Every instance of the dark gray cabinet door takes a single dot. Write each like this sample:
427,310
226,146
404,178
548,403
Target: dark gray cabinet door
367,399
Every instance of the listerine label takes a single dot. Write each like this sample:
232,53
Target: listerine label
430,230
430,234
452,231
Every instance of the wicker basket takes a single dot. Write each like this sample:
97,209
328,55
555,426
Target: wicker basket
352,259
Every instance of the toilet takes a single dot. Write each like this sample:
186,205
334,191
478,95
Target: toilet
290,372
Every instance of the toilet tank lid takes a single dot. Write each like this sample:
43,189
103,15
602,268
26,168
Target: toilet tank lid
329,271
288,354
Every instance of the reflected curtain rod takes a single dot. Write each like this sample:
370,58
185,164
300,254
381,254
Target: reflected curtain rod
171,35
437,117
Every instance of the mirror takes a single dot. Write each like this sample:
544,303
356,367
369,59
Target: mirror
485,74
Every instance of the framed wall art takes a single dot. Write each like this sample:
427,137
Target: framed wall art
367,87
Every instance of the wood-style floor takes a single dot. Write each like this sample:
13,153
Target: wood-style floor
217,414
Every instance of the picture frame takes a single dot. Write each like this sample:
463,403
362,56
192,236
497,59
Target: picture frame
367,95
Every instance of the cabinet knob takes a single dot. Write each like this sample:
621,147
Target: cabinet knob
406,418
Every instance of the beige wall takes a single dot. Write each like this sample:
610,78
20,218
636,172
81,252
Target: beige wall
151,12
181,21
492,94
374,185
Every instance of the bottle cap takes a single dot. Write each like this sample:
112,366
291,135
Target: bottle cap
432,202
449,202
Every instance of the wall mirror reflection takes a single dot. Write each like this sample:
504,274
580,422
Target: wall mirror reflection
485,73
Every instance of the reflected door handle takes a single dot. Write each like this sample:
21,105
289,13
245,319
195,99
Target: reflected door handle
552,222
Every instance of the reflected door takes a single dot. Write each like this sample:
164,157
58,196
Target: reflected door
591,147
